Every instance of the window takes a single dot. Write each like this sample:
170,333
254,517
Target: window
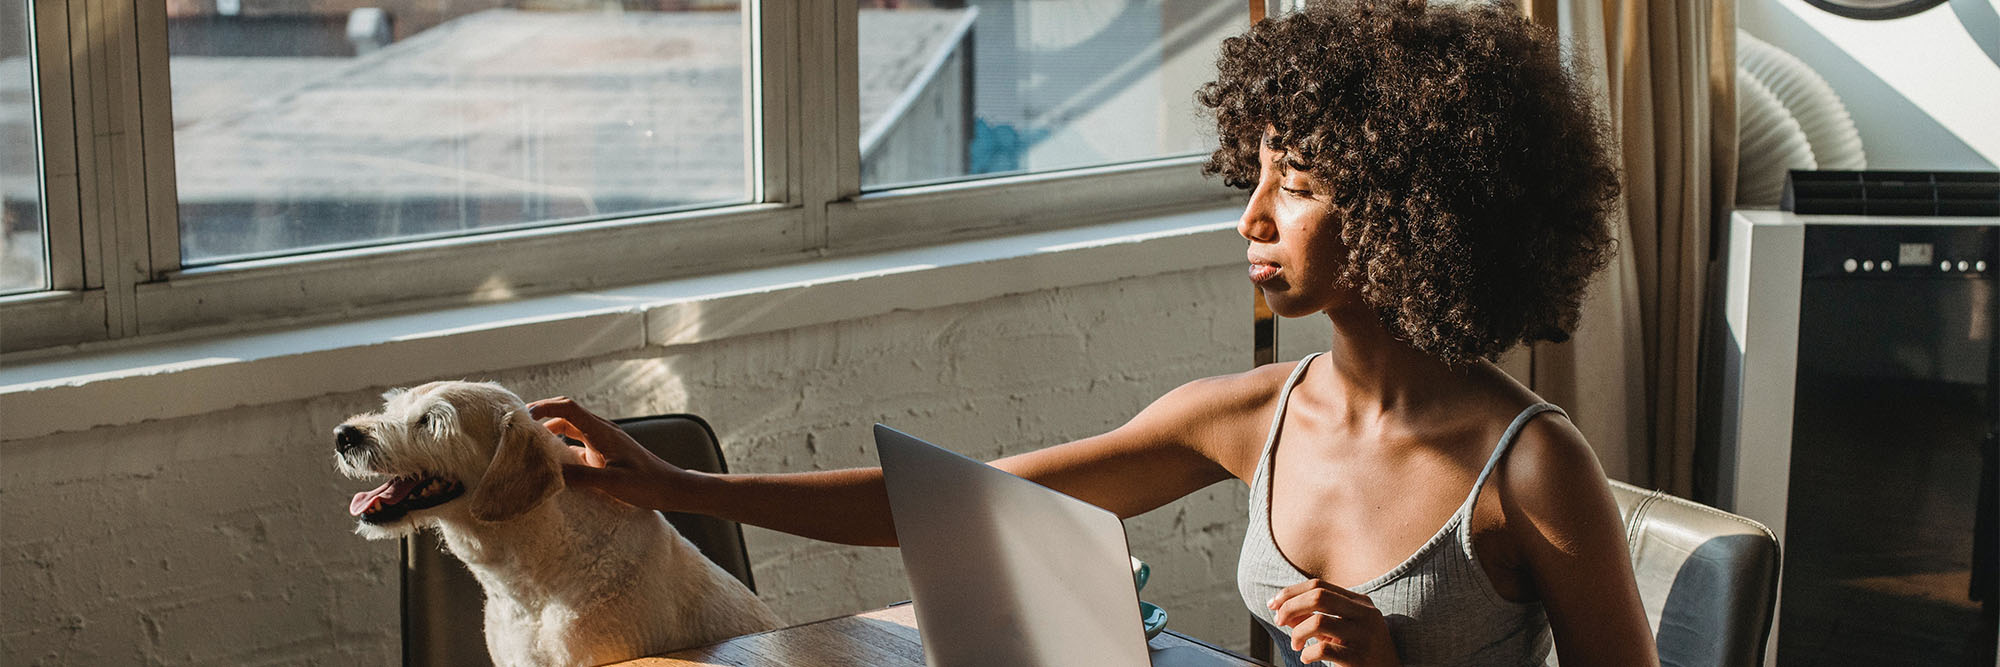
302,126
999,87
214,165
23,227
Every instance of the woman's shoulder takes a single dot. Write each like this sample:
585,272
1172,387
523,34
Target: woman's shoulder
1223,416
1549,449
1552,474
1251,391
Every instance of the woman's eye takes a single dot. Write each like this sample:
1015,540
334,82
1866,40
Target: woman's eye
1303,194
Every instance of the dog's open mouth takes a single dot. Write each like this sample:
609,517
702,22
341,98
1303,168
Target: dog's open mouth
401,496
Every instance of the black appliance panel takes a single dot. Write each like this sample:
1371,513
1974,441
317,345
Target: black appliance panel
1892,462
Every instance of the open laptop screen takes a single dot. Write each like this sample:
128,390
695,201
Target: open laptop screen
1004,571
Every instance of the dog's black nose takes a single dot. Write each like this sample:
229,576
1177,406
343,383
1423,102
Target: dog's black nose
347,437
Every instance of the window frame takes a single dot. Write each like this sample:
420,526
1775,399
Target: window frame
73,306
114,214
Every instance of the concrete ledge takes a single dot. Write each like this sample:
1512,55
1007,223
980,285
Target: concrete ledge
185,378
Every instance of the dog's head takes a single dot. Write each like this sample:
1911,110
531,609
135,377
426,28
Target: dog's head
448,450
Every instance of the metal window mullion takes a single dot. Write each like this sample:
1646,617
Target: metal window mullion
86,115
114,193
769,83
822,57
54,98
134,262
813,106
160,206
847,100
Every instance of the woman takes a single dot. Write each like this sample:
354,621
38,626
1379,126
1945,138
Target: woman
1432,181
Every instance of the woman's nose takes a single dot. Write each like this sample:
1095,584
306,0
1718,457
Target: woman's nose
1256,224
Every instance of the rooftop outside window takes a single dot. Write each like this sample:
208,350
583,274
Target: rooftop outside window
304,125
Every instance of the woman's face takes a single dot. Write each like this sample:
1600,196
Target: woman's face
1294,233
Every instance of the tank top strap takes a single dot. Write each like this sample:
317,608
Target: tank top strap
1506,440
1285,398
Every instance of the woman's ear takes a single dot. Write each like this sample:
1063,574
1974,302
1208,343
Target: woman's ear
522,475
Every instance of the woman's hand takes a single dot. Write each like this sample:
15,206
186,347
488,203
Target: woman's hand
1334,625
609,460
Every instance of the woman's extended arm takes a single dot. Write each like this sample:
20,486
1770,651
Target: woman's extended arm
1573,543
846,506
1168,451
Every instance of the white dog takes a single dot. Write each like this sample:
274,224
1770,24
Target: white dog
571,577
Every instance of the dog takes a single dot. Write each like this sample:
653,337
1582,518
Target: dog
572,577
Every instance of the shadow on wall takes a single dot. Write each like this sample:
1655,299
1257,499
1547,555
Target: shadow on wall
1898,133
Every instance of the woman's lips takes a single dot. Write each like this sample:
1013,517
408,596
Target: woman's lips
1262,272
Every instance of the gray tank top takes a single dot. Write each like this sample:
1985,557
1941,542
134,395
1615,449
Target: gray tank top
1441,608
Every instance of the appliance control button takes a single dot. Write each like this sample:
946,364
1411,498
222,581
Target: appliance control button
1886,265
1850,265
1964,265
1868,265
1979,266
1944,265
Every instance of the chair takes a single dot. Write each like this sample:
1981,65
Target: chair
443,605
687,441
1707,578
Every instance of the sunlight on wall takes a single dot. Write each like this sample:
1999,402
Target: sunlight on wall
1928,58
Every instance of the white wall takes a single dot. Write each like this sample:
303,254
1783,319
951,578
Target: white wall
222,538
1920,90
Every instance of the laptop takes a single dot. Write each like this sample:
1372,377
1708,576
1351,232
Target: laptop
1007,572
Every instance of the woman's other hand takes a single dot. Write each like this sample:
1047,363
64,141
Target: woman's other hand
1334,625
609,460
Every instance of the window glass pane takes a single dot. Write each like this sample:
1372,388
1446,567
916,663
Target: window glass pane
315,124
964,88
23,238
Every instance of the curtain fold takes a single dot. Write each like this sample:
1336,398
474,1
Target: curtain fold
1663,76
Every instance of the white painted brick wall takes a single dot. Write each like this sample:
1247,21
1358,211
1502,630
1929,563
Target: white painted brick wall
223,538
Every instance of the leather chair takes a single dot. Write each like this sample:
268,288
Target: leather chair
1707,578
687,441
443,605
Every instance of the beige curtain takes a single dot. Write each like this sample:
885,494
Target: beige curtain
1664,75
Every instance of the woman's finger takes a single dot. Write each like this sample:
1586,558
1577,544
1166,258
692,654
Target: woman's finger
549,407
1297,608
587,454
564,428
1310,584
564,407
1331,651
1316,628
1294,590
1289,592
582,425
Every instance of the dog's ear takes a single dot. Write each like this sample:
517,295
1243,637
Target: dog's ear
522,475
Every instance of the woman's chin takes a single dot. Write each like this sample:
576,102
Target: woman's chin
1288,307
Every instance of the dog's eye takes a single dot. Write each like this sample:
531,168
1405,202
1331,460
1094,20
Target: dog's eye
424,420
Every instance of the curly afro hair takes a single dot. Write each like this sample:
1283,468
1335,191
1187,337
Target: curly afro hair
1465,162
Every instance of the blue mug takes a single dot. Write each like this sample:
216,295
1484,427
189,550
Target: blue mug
1154,618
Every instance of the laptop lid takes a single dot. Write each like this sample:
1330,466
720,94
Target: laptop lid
1004,571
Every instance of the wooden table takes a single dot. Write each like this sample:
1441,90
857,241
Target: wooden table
885,637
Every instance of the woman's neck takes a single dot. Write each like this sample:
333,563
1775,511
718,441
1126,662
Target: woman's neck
1376,375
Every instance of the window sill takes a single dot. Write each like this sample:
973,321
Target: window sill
185,378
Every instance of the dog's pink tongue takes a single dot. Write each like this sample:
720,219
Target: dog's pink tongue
390,493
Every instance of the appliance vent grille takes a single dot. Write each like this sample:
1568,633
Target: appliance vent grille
1916,193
